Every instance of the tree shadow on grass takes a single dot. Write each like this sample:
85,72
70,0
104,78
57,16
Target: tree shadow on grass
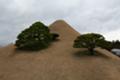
56,40
85,53
30,51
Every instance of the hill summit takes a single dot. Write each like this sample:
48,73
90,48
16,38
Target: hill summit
64,29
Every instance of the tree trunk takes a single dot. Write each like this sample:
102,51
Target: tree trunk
91,51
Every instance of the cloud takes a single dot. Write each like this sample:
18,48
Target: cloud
97,16
113,35
101,16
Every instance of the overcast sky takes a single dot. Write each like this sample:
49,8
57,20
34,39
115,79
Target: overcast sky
101,16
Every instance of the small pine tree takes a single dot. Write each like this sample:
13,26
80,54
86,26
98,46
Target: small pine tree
36,37
90,41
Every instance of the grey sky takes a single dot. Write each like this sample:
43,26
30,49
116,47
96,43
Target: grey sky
102,16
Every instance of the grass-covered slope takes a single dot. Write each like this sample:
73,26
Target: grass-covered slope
58,62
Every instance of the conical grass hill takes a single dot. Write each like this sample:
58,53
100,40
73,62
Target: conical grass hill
64,29
58,62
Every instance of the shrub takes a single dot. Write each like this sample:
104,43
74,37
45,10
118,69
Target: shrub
36,37
116,44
